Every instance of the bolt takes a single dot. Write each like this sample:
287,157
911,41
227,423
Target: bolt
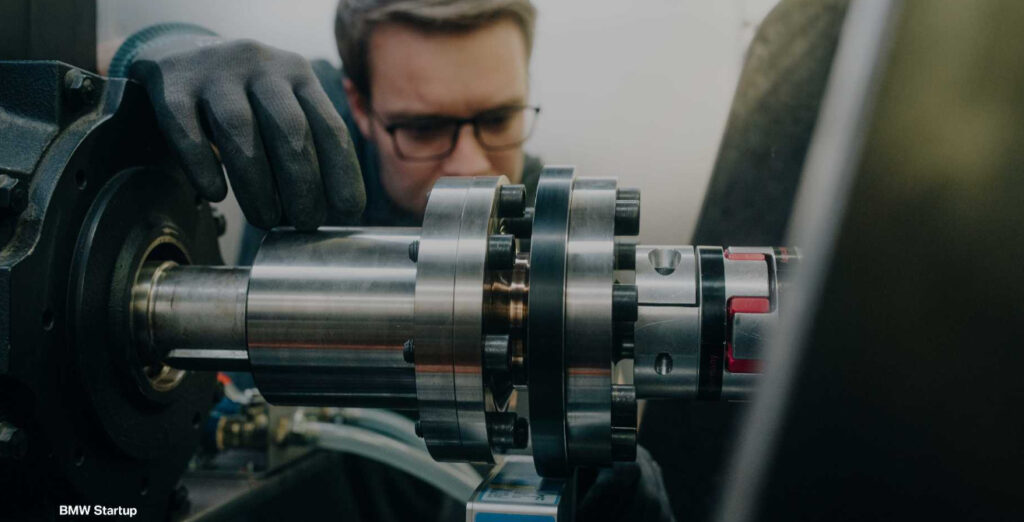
12,195
501,252
497,353
627,212
414,251
505,430
624,302
408,352
625,256
80,87
13,442
511,201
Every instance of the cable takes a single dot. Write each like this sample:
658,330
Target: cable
452,479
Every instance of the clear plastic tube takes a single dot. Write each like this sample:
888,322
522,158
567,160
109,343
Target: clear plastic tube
452,479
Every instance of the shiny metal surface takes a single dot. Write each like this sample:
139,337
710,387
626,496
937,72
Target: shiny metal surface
449,310
203,359
589,276
189,307
479,221
666,274
667,333
667,351
746,278
435,299
432,319
749,332
328,314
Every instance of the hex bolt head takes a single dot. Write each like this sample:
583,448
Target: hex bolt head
511,201
625,301
80,87
414,251
625,256
501,252
628,193
505,431
627,212
497,356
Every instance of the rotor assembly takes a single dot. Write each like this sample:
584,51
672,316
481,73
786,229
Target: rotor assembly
501,325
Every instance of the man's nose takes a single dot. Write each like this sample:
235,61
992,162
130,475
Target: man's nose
469,158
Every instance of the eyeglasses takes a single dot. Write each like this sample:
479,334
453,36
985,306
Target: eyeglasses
427,138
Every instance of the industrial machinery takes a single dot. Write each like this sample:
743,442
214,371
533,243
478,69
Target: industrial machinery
525,333
117,308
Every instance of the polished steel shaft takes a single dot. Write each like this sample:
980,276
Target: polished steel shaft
328,316
318,319
195,312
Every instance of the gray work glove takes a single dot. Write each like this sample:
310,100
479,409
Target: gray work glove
286,150
628,491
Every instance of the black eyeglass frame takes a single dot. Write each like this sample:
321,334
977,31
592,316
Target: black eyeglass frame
392,128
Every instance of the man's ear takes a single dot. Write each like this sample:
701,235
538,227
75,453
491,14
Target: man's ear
360,108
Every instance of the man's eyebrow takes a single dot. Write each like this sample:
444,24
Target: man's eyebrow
412,116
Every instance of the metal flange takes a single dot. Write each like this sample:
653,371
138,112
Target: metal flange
461,215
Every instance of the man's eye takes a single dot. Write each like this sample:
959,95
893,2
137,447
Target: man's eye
495,124
426,131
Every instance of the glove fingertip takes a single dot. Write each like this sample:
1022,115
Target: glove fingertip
309,216
208,181
264,219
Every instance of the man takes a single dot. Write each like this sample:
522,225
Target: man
431,88
413,70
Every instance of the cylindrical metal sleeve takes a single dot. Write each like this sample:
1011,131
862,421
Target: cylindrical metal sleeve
589,312
189,308
328,314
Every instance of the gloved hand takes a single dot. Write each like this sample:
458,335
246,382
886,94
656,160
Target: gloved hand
285,148
627,491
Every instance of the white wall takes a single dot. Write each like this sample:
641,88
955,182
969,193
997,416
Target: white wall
639,90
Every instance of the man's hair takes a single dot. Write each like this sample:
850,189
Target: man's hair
356,20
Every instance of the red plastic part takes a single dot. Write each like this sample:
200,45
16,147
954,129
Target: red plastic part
744,305
749,305
743,257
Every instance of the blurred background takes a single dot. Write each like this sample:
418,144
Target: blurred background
641,92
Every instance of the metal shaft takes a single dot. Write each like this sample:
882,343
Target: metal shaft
328,315
319,318
196,311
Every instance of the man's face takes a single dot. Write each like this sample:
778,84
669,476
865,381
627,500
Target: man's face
416,75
